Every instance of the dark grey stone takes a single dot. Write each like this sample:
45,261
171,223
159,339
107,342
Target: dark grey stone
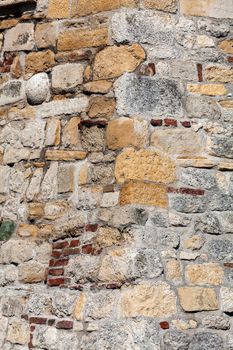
221,249
188,203
222,146
208,223
168,239
220,202
198,178
216,322
147,96
147,264
174,340
206,341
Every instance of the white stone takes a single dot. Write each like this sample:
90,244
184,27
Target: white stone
110,199
226,297
4,177
67,76
11,92
37,88
49,184
20,37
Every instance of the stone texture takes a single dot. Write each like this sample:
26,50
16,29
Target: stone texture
98,86
226,298
205,274
53,132
31,272
46,35
146,96
12,92
78,38
21,37
36,62
66,77
144,193
213,8
219,73
101,107
155,300
174,340
207,340
144,165
95,6
116,60
167,5
197,299
226,46
58,10
124,132
18,332
37,89
207,89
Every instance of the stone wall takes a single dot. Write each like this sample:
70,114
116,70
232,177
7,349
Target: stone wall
116,182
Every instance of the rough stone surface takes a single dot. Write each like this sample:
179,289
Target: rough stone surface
67,77
37,89
197,298
21,37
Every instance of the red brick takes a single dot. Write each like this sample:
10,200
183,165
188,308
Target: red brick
164,325
56,254
76,287
184,190
91,227
75,243
230,59
229,265
199,72
88,249
30,345
60,262
56,282
186,124
38,320
60,245
25,317
156,122
56,272
64,324
170,122
32,328
69,251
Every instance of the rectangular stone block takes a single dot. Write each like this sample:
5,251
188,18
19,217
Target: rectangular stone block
144,193
69,106
64,155
198,299
207,8
84,8
20,37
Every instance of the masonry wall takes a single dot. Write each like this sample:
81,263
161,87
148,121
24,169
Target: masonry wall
116,183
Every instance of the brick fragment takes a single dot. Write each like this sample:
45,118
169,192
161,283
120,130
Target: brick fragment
186,124
164,325
184,190
156,122
91,227
56,272
64,325
170,122
60,245
56,282
75,243
38,320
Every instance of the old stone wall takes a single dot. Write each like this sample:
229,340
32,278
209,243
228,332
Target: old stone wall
116,182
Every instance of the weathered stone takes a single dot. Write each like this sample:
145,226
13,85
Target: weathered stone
207,89
166,5
34,187
173,271
220,146
174,340
93,139
195,242
226,297
100,305
101,107
18,331
55,210
202,107
78,38
188,204
226,46
125,132
204,41
147,97
197,162
221,249
4,179
221,202
180,142
98,87
144,165
53,132
66,77
63,305
58,10
37,89
148,300
40,61
197,299
83,268
208,223
210,273
31,272
198,178
16,251
65,178
49,184
21,37
46,35
219,73
116,60
110,199
213,8
11,92
216,322
94,6
26,230
206,341
144,193
70,135
108,236
183,325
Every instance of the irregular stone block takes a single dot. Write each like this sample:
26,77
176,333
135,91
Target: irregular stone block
226,46
219,73
93,6
11,92
221,249
226,297
204,274
37,88
174,340
206,8
188,204
197,299
18,331
202,107
101,107
146,96
31,272
46,35
198,178
66,77
207,89
40,61
166,5
20,38
220,146
56,9
216,322
4,179
7,228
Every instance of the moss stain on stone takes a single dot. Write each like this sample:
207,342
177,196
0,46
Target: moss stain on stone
7,228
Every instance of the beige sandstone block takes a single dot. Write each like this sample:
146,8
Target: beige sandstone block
64,155
46,34
195,242
58,9
125,132
79,307
207,8
198,299
26,230
210,273
31,272
84,8
70,136
207,89
65,179
144,193
53,132
226,46
148,300
116,60
18,331
196,162
173,270
39,61
219,73
165,5
144,165
98,87
101,107
226,104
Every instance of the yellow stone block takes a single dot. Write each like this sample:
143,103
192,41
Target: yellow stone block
226,46
205,274
198,299
59,9
207,89
64,155
84,7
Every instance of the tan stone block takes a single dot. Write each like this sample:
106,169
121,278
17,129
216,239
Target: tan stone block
64,155
173,271
53,132
79,307
113,61
55,210
77,38
98,87
180,142
144,193
58,9
65,180
226,104
83,174
221,74
18,331
207,89
165,5
8,23
70,136
36,210
144,165
225,166
198,299
46,35
87,73
125,132
204,41
196,162
101,107
84,8
207,8
31,272
183,325
148,300
25,230
16,68
20,114
195,242
226,46
108,236
204,274
39,61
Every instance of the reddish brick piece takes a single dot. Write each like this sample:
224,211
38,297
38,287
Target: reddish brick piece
199,72
51,322
64,325
38,320
56,272
184,190
60,262
30,345
170,122
60,245
56,282
156,122
56,254
77,287
24,317
229,265
91,227
69,251
75,243
164,325
186,124
230,59
88,249
113,285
